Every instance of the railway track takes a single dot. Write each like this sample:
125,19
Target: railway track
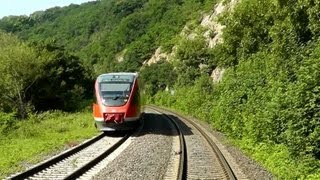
197,156
196,159
77,161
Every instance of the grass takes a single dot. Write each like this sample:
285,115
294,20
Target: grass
276,158
34,139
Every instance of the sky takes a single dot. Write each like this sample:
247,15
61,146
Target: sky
27,7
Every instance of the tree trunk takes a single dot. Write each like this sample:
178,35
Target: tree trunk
22,107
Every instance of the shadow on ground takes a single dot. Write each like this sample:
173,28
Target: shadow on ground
160,124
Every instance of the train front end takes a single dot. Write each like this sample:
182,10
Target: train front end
117,105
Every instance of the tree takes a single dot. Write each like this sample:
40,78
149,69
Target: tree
63,83
20,66
157,77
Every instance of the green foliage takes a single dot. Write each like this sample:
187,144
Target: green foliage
304,127
193,52
256,114
268,101
15,23
189,99
39,78
7,122
270,90
107,28
277,158
19,69
157,77
64,82
124,8
247,32
191,55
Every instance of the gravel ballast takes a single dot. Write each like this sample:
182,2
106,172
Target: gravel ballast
147,156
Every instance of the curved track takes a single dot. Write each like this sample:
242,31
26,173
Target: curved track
188,161
182,168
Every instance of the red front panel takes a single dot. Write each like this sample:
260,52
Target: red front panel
118,113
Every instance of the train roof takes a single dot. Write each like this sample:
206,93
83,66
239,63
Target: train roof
117,75
120,73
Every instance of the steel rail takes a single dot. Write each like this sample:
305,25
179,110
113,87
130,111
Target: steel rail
46,164
85,168
224,163
182,169
182,172
80,171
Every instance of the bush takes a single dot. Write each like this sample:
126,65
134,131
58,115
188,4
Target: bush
7,123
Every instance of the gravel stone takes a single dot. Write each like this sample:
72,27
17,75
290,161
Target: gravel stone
75,161
202,161
150,153
147,156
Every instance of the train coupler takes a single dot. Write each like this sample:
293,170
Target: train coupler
117,118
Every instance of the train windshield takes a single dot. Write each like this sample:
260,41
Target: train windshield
115,92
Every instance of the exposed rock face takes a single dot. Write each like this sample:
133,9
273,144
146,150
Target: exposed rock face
213,35
157,56
214,28
214,32
120,56
217,74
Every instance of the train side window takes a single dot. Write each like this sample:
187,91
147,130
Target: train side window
136,98
95,100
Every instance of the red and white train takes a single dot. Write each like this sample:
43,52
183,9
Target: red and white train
118,104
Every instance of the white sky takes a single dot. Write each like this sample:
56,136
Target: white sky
27,7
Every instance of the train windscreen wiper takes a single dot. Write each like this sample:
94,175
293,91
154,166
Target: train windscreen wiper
116,97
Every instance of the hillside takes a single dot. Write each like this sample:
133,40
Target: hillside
98,31
268,98
267,101
84,40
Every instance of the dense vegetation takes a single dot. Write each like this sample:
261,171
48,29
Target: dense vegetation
39,77
99,32
49,60
56,58
34,79
268,101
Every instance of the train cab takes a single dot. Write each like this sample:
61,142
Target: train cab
118,104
